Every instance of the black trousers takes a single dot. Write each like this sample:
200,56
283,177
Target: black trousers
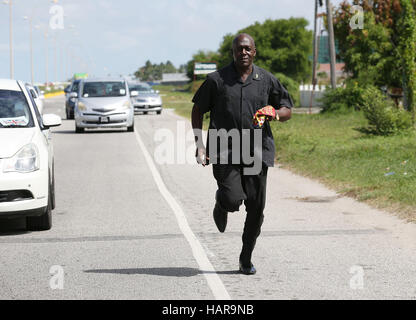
233,188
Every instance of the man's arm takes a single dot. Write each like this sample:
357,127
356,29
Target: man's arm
280,99
197,120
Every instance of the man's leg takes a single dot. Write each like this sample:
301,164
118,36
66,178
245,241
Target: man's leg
230,193
255,190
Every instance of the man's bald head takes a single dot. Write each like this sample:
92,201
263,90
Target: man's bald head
244,51
241,36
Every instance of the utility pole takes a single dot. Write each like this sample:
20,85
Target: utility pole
315,45
331,42
55,66
9,2
46,56
30,19
11,42
32,77
315,54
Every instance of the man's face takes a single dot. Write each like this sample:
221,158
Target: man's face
244,52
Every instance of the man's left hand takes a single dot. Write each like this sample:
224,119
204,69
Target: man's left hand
266,113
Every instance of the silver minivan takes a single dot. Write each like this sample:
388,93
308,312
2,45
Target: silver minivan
103,103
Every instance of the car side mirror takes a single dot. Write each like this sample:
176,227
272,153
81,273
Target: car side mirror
134,93
51,120
33,94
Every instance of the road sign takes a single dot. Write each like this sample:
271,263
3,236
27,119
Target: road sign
204,67
80,76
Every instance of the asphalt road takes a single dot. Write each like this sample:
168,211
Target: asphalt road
128,227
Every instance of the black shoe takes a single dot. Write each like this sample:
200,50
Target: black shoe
247,270
220,217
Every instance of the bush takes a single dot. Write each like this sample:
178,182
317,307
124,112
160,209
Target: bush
291,85
383,116
343,99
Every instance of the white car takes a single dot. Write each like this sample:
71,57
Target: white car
147,99
103,103
27,187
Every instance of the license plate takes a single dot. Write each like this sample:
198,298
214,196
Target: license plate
104,119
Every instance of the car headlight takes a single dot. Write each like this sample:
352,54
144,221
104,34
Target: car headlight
81,106
126,105
25,160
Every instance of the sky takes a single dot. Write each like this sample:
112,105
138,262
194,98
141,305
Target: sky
108,37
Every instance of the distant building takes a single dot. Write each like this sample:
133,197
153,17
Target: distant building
323,50
324,58
175,79
326,67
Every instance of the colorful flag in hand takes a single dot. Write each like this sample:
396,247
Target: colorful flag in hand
266,113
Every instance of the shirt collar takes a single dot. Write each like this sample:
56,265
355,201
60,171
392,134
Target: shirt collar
255,75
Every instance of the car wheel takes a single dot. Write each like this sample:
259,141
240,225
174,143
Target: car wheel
131,128
159,112
145,112
79,130
43,222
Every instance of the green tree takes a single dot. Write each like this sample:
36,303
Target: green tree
370,53
407,50
374,54
151,72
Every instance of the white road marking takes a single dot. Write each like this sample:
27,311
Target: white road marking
217,287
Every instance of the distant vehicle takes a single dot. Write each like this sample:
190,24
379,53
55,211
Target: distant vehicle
36,96
70,102
40,93
103,103
147,100
27,183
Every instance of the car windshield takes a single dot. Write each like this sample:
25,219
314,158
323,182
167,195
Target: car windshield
104,89
142,87
14,110
74,87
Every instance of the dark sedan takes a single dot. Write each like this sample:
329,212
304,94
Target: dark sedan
70,102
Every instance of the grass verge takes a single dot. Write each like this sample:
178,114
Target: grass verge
331,148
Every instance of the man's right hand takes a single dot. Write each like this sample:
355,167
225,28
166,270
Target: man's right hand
201,156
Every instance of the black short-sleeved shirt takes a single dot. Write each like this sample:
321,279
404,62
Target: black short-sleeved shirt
233,103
